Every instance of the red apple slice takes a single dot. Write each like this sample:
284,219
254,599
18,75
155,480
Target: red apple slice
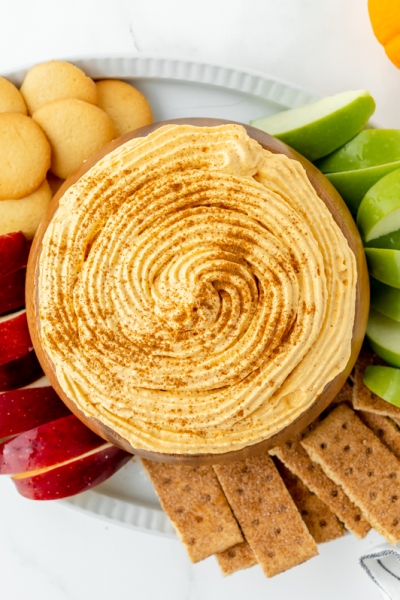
24,409
47,445
15,340
14,251
20,372
74,476
12,291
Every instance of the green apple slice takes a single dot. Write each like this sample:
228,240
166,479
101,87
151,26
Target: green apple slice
379,211
353,185
370,148
389,241
383,334
384,265
319,128
385,299
384,382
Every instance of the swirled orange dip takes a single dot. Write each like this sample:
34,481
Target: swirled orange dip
195,293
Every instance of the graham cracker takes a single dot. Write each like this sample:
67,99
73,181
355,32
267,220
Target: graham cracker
266,513
363,398
346,393
197,507
385,429
321,522
296,459
236,558
354,458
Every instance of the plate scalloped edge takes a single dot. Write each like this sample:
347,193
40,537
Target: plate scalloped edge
152,67
120,512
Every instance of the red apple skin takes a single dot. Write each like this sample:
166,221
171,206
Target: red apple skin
21,410
20,372
15,340
14,251
75,477
47,445
12,291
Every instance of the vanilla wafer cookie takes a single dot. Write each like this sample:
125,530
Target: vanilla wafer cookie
363,398
385,429
24,156
237,558
321,522
266,514
26,213
197,507
56,79
296,459
75,130
11,100
124,104
354,458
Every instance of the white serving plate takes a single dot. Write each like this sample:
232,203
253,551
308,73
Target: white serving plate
174,88
177,88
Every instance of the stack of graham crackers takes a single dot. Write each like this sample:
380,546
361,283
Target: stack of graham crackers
343,472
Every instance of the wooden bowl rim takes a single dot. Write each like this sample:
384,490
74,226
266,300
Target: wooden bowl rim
341,215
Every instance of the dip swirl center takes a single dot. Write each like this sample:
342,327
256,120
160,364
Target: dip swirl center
195,293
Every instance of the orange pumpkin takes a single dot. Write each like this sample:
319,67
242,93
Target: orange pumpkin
385,21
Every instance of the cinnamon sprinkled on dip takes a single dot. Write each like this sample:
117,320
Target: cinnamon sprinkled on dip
195,293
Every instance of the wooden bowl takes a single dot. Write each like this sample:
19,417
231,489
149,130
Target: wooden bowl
340,214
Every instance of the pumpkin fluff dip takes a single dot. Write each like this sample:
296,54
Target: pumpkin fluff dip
195,294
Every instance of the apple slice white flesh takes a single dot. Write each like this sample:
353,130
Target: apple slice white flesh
384,382
383,335
379,211
384,265
73,476
318,129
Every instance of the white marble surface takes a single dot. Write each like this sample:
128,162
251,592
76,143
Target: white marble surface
48,551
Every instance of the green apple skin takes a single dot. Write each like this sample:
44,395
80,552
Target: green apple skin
383,335
385,299
384,265
370,148
353,185
319,128
384,382
391,241
379,211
